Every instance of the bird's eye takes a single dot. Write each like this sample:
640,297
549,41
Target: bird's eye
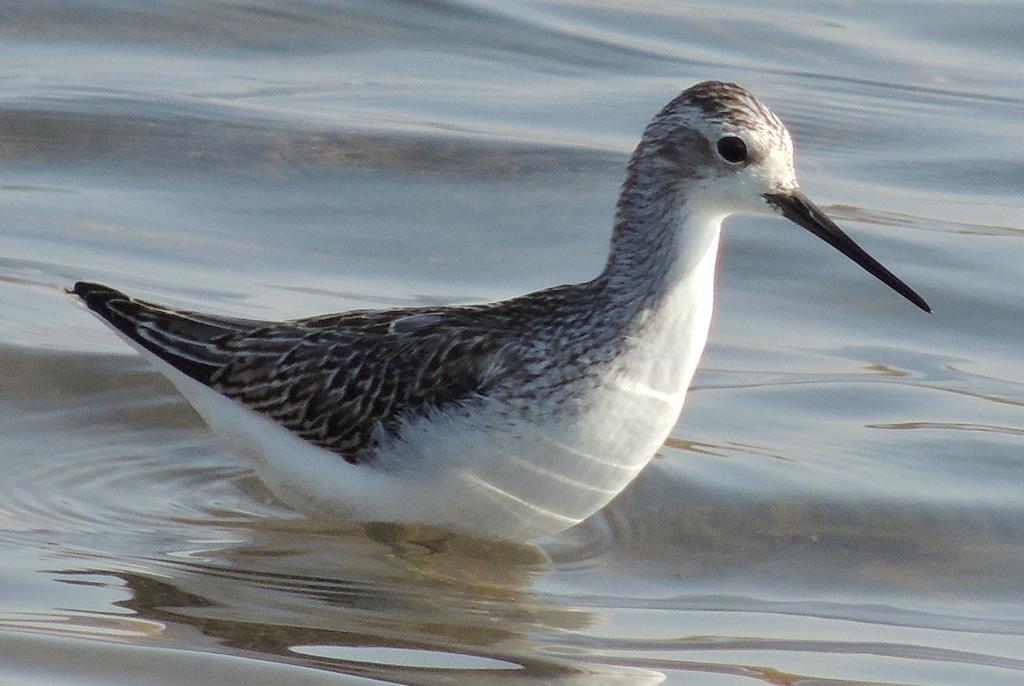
732,149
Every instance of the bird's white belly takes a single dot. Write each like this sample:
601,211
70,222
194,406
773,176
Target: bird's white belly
524,478
470,471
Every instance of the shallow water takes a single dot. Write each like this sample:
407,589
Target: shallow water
840,502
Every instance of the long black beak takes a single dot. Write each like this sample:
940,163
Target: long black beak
798,209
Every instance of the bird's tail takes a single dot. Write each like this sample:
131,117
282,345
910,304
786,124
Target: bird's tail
189,341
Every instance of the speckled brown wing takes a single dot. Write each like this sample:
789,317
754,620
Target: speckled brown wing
340,381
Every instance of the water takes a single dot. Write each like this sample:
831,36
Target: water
840,502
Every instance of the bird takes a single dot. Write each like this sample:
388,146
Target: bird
515,419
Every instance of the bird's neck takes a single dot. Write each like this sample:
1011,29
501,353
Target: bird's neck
656,295
663,249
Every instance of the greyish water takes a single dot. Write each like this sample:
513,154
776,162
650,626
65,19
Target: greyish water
841,502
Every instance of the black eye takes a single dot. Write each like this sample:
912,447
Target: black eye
732,149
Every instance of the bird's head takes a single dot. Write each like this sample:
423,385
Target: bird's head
718,148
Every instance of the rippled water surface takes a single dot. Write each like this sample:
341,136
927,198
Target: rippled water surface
840,503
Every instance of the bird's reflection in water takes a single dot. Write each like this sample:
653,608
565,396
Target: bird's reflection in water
398,603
